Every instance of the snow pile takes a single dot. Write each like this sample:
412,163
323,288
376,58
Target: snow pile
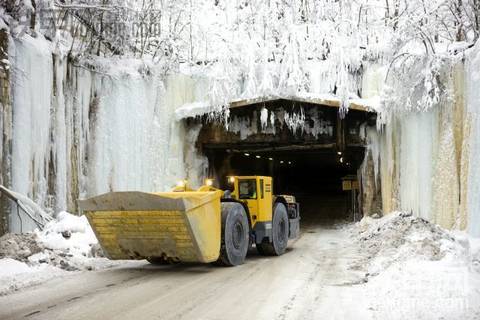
400,237
417,268
69,243
66,244
475,253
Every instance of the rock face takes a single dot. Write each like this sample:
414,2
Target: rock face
5,127
371,195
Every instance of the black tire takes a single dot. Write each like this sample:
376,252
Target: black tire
279,233
235,234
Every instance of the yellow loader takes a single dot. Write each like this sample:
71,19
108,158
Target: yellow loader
204,225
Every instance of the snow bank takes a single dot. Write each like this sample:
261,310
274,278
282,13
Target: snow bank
10,267
70,234
417,268
66,244
400,237
15,275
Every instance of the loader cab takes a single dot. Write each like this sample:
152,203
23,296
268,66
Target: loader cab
256,193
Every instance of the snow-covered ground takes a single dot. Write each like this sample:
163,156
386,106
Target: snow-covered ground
66,244
396,267
421,270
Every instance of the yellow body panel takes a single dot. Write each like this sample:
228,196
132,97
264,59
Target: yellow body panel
260,207
183,226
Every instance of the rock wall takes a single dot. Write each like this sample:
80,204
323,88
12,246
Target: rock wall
5,127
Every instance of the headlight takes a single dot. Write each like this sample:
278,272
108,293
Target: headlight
181,183
209,182
231,179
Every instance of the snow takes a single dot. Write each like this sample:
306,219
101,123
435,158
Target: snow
10,267
81,236
417,268
65,244
400,236
398,267
425,290
15,275
194,109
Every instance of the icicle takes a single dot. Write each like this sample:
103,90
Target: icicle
295,121
264,118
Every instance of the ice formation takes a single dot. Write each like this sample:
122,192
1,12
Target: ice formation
427,144
114,129
87,126
472,102
78,132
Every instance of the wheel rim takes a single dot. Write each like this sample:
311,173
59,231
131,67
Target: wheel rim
237,235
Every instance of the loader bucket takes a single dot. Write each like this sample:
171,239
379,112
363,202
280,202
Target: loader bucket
181,226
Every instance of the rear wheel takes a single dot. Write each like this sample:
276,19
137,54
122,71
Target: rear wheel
235,234
279,233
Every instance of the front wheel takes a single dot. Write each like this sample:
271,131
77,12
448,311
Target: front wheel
235,234
279,233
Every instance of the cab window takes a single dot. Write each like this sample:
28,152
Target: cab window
262,193
247,189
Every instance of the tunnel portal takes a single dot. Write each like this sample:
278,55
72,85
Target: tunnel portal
308,148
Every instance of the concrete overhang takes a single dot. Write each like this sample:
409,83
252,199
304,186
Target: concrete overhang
191,110
366,105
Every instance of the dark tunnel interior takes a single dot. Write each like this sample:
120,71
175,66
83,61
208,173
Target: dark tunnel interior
314,177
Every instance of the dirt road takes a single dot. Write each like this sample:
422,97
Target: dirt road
306,283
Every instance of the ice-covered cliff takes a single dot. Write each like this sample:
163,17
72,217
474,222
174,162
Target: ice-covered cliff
428,146
80,131
81,128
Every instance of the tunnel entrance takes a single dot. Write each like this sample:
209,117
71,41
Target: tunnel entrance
308,148
314,177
